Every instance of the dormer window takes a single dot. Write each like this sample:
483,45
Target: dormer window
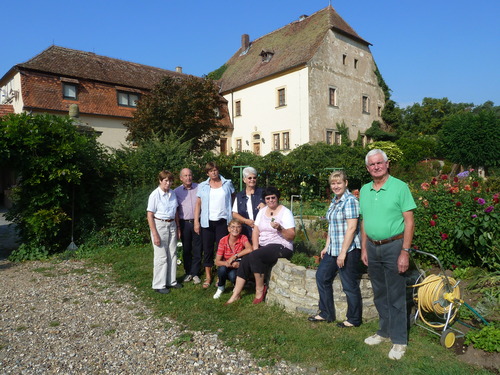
266,55
70,91
127,99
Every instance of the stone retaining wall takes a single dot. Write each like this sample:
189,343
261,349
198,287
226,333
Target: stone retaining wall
294,288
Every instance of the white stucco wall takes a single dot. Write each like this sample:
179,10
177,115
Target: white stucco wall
13,84
113,132
261,115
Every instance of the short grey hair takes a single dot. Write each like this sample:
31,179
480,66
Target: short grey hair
373,152
249,170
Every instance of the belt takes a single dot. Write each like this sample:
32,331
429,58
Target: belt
166,220
188,220
387,240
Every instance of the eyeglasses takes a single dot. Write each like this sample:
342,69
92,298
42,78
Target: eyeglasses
235,227
251,178
271,198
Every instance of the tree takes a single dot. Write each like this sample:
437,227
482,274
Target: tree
427,118
472,139
62,171
187,107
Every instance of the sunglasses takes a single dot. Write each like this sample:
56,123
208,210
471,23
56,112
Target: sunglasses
251,178
271,198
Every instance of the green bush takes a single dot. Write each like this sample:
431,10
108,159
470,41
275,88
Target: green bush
65,177
457,220
487,339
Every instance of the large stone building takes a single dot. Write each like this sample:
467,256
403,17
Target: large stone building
294,85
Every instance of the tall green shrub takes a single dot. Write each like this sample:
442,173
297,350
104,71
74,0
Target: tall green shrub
65,179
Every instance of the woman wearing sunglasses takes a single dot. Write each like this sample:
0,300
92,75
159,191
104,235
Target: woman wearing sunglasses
273,234
248,202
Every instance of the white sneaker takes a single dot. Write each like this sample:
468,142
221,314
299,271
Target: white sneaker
188,278
218,293
397,351
376,339
196,279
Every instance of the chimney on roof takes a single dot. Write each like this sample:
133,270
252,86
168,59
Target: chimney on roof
245,42
303,17
74,111
178,69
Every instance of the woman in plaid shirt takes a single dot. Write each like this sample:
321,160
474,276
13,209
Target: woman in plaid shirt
341,254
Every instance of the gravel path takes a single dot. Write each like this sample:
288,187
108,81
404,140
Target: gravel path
67,318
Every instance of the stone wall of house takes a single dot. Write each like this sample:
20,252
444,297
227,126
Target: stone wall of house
294,288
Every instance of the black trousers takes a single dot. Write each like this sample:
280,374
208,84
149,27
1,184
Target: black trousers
191,246
210,238
260,260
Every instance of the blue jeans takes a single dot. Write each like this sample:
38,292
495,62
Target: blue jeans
225,273
389,290
349,276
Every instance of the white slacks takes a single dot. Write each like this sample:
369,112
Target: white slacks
165,255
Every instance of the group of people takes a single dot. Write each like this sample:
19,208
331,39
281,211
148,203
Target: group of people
207,220
253,230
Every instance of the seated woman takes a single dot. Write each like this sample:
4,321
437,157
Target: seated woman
273,235
229,253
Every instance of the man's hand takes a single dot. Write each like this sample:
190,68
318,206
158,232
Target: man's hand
403,261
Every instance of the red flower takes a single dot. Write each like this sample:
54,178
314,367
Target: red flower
434,217
455,179
458,204
476,198
444,236
475,184
425,186
434,181
444,177
432,223
454,190
467,188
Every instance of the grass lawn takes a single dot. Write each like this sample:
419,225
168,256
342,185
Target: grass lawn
271,334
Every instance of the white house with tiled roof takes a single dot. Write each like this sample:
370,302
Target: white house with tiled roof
294,85
105,89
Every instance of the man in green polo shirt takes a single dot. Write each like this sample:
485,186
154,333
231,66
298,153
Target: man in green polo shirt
386,234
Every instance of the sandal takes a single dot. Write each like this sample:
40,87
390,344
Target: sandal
206,284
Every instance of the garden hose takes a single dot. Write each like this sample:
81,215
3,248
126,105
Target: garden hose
434,295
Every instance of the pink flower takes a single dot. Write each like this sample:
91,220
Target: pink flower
467,188
488,209
473,216
444,236
432,223
481,201
454,190
425,186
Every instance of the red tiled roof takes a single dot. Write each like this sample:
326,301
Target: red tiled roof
292,45
87,65
5,109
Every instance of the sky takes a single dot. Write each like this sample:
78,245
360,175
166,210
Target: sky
426,48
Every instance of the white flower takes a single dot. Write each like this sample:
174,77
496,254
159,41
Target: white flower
179,244
179,262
